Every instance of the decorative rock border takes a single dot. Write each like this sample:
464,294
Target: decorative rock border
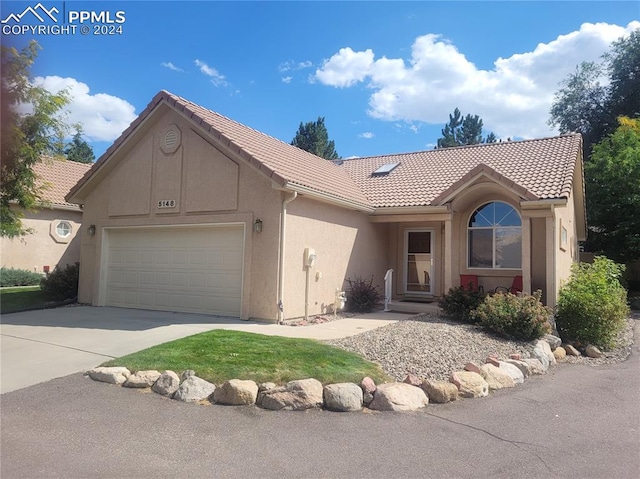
412,394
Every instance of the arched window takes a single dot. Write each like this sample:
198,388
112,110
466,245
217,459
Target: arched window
495,237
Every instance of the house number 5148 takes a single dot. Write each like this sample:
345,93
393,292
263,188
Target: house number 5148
166,203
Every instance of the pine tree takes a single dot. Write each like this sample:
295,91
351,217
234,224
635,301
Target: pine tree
314,138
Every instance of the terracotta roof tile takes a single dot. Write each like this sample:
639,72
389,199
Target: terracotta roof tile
538,169
278,160
57,177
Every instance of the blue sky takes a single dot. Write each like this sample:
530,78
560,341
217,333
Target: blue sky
385,75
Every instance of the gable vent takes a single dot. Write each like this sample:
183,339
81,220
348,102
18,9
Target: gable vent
385,169
170,139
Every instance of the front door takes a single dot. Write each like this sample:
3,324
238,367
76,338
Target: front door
418,278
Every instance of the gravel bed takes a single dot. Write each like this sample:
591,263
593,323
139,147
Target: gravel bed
431,346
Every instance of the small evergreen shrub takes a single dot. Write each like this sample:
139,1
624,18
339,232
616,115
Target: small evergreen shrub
62,283
459,302
18,277
516,317
363,296
592,305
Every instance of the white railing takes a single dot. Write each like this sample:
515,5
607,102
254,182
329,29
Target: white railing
388,288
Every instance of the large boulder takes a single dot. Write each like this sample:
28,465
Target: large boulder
554,341
236,392
571,350
194,389
470,384
295,396
496,378
111,375
440,391
541,350
166,384
522,365
537,367
560,353
343,397
513,371
142,379
593,352
398,397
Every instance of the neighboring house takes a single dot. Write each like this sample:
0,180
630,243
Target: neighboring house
195,212
54,223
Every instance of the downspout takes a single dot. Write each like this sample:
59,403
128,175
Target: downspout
283,229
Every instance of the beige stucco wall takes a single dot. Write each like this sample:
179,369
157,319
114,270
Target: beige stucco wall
347,245
209,186
463,206
43,247
566,254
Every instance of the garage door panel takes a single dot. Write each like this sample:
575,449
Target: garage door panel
194,269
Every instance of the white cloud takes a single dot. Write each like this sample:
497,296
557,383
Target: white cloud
513,98
171,66
216,77
291,65
346,68
287,79
103,117
367,134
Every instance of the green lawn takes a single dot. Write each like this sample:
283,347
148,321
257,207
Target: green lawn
18,299
220,355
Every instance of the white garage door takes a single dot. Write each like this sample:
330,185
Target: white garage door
190,269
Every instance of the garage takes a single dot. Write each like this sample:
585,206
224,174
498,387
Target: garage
195,269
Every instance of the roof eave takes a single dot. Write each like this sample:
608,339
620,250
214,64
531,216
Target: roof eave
328,198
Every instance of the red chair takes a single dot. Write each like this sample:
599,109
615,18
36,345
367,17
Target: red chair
470,282
516,286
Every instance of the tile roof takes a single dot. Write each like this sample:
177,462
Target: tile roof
58,176
280,161
537,169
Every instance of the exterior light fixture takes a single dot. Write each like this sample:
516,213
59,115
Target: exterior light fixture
257,226
91,230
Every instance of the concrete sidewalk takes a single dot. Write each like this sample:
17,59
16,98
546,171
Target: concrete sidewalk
37,346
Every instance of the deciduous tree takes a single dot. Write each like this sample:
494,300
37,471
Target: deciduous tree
26,137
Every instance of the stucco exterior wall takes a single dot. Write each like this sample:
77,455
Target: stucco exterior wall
566,246
43,247
347,245
463,206
209,187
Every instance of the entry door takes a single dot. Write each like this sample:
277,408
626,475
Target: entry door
419,262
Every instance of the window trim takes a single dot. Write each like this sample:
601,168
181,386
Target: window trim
493,229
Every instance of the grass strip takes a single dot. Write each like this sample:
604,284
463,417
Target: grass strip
219,355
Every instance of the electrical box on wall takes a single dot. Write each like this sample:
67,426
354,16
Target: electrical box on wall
310,257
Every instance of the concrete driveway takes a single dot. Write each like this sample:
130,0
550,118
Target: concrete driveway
37,346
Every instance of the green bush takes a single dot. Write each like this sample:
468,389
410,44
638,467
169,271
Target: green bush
62,283
459,303
592,305
363,296
18,277
516,317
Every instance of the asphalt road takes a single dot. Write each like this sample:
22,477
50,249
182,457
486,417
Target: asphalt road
577,421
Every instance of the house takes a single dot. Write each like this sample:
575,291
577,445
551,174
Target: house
195,212
54,223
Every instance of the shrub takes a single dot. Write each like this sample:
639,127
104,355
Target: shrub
519,317
62,283
18,277
363,296
459,302
592,305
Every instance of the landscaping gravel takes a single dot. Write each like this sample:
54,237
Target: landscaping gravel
431,346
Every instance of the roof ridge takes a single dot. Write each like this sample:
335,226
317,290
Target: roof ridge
460,147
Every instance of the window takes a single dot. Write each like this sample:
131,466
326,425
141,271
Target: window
63,229
495,237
